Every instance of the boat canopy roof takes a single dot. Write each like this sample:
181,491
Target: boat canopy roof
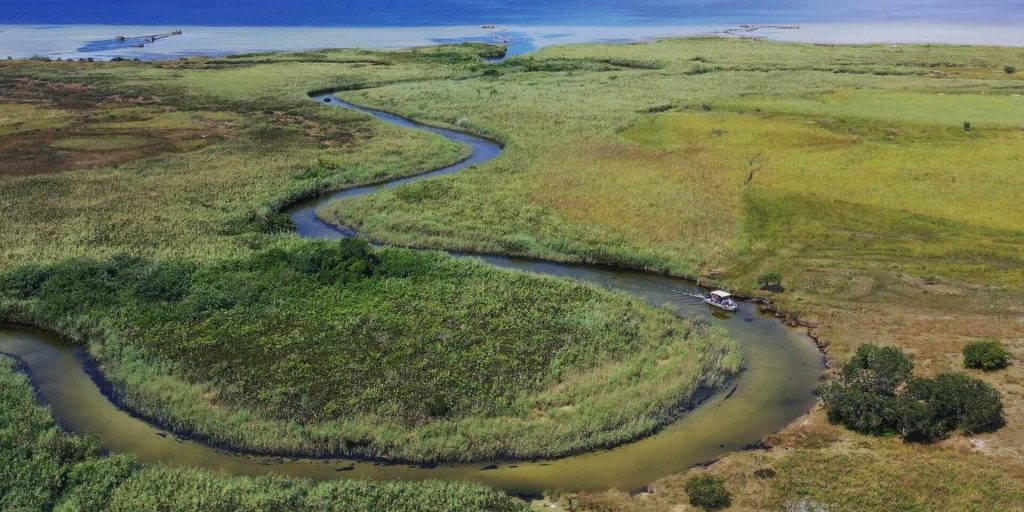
720,294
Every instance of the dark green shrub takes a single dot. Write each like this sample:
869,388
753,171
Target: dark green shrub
163,281
346,260
78,285
267,222
23,282
875,394
1009,70
858,406
972,404
918,414
707,491
967,126
988,355
437,407
880,368
769,280
401,263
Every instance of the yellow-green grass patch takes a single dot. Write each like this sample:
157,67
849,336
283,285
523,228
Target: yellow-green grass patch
16,118
101,142
950,109
973,179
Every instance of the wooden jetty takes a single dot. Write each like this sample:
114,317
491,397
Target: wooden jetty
151,38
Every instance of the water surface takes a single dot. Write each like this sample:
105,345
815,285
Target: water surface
422,13
80,28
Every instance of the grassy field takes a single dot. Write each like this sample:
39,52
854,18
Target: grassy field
823,467
849,169
306,348
44,469
228,143
673,191
333,348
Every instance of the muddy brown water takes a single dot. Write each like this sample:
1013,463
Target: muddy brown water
782,368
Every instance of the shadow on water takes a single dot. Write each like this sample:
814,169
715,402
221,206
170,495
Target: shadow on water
777,386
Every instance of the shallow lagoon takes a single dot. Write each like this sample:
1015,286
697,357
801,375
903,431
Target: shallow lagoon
97,41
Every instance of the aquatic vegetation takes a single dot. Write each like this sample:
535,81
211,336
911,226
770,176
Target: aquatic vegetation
44,468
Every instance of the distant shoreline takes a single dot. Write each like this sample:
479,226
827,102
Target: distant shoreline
79,41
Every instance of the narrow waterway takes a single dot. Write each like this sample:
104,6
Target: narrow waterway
781,371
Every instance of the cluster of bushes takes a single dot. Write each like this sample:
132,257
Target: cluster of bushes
876,393
84,284
95,284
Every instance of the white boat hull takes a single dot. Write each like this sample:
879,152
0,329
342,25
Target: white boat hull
723,307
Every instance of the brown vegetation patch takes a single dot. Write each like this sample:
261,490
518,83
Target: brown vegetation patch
50,151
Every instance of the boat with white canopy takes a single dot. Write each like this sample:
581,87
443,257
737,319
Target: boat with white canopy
721,300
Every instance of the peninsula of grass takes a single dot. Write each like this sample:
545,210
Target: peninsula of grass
334,348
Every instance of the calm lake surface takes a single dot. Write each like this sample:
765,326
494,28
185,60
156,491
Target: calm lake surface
87,28
409,13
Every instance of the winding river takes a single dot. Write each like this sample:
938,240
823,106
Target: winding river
777,385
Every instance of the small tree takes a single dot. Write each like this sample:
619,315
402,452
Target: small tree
987,354
772,279
707,491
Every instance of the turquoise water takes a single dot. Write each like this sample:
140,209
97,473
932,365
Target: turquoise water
406,13
88,29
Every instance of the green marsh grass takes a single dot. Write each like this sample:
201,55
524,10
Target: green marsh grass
44,469
337,349
658,168
864,193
